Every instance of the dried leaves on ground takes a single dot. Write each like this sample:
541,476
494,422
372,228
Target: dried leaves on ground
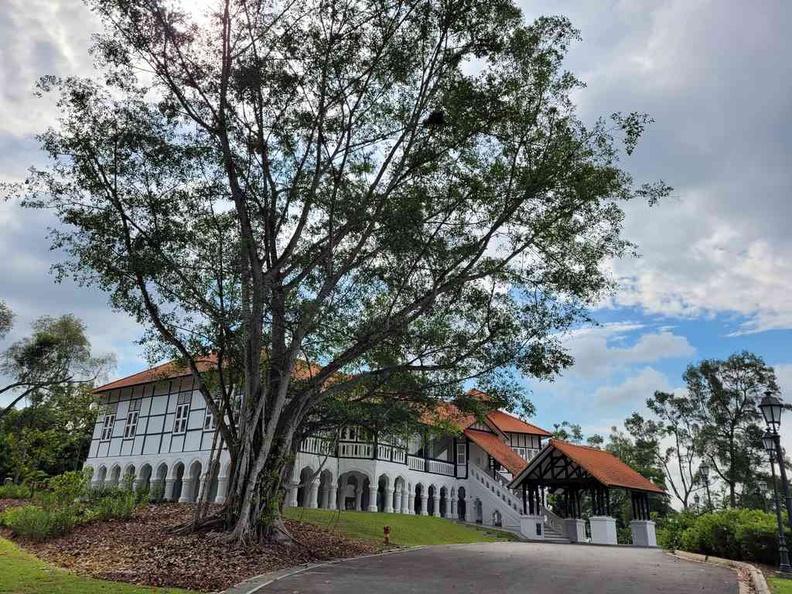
143,551
7,503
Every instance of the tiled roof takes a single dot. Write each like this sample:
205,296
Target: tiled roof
506,422
172,370
491,444
604,467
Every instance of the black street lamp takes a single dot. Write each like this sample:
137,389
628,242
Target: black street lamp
704,474
783,554
771,408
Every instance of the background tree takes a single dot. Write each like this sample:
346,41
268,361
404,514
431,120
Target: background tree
56,353
725,395
6,319
328,197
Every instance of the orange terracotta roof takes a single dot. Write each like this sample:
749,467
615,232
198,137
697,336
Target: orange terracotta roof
506,422
491,444
605,467
447,412
173,370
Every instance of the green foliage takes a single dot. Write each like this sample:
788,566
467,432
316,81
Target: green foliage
117,506
12,491
37,523
741,534
65,489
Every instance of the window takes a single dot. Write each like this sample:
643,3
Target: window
107,427
130,429
461,453
209,421
182,413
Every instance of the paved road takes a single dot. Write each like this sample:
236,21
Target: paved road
512,568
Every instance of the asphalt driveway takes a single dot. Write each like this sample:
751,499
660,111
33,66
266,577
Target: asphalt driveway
512,568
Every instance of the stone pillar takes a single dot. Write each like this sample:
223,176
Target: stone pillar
424,504
341,497
388,503
643,533
453,503
330,498
410,503
470,510
603,530
156,489
532,527
222,489
575,529
436,510
313,495
359,498
405,503
373,498
397,500
291,498
139,484
187,489
169,484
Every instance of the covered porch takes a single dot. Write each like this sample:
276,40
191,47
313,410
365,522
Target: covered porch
582,478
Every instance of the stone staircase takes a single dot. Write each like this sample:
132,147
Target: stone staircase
554,536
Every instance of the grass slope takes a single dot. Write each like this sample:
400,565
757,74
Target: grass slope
405,530
21,573
780,585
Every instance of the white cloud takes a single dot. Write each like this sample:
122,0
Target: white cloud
596,354
635,389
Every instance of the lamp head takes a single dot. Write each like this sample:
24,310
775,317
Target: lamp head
768,441
771,408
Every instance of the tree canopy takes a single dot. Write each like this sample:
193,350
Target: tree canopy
57,352
336,197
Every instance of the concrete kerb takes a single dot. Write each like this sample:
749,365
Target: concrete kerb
757,577
254,584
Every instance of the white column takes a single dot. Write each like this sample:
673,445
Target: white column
470,510
341,497
373,498
436,510
603,530
359,498
424,504
169,484
397,500
388,503
222,489
331,496
187,488
406,502
411,503
291,498
313,495
453,515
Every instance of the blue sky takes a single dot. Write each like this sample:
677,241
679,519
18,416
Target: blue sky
715,272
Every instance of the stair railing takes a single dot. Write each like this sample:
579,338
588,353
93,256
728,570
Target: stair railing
553,520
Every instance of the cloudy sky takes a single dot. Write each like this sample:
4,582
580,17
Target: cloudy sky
715,275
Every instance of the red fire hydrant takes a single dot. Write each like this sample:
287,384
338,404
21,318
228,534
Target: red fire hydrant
386,531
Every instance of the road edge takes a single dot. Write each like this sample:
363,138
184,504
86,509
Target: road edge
758,580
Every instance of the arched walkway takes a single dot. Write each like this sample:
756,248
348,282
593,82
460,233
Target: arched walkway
443,502
158,487
383,492
178,482
128,479
305,487
115,475
327,490
143,482
420,500
101,476
461,504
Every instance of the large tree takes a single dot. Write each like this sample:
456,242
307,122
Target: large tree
335,198
56,353
724,395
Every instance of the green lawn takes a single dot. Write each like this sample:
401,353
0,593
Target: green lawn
405,530
21,573
780,585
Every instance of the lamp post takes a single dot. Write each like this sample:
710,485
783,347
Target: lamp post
771,408
783,555
704,474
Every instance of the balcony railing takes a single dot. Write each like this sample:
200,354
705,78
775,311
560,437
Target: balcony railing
355,449
416,463
440,467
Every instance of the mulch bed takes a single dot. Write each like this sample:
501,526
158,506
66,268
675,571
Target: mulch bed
142,551
6,503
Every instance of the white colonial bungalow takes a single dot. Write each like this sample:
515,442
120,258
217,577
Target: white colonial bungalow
156,428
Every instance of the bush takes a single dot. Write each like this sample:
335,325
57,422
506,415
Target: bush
670,529
12,491
120,505
35,523
68,487
740,534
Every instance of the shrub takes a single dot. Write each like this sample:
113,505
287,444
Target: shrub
670,529
35,523
12,491
66,488
120,505
741,534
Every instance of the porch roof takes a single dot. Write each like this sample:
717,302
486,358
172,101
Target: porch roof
492,444
562,463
